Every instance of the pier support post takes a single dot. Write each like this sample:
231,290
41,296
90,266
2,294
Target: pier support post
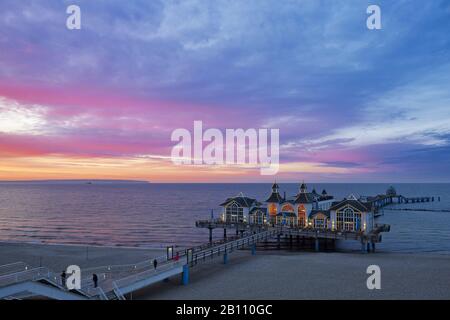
224,233
225,258
185,276
210,235
253,249
316,244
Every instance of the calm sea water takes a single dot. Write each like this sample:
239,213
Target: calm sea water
155,215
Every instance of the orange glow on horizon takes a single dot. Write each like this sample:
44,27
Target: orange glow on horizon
60,167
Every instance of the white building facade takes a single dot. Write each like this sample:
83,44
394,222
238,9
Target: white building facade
304,210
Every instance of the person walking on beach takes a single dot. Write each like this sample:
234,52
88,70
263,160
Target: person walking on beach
177,257
95,280
155,263
63,278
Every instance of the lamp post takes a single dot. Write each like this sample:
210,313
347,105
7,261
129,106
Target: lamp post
169,252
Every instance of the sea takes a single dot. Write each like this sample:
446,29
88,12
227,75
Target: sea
153,215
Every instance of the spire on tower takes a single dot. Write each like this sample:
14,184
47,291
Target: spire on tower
303,187
275,187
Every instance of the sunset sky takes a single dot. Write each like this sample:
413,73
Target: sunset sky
352,104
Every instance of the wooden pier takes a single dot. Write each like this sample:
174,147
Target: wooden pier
119,280
381,201
367,241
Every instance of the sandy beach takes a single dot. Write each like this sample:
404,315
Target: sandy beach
267,275
304,275
58,257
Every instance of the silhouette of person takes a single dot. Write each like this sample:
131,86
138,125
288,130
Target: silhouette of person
63,278
95,280
155,263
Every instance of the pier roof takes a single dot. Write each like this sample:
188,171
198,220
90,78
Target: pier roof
305,198
316,212
362,206
275,197
243,201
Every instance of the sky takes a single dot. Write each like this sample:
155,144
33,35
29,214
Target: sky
351,104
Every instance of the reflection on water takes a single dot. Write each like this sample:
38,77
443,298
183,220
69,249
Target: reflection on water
155,215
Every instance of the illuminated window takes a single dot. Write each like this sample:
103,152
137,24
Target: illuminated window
301,215
272,209
319,223
287,208
348,220
235,213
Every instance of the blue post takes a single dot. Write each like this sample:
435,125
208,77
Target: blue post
253,249
225,258
185,274
317,244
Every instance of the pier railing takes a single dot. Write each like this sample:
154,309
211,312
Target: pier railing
35,274
247,240
128,280
13,268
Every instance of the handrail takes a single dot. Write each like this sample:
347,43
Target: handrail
102,294
249,240
20,276
124,267
145,274
117,292
13,267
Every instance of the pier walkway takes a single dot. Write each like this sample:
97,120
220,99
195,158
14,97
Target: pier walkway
117,281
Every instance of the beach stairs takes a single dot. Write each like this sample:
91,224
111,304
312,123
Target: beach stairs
38,289
34,282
